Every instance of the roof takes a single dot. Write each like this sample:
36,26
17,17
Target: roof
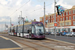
73,7
25,24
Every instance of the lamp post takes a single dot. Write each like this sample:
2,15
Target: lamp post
49,22
44,14
55,16
23,24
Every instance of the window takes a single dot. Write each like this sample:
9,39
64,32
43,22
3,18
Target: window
73,17
53,16
73,22
41,19
69,12
51,25
73,11
70,18
39,29
33,29
49,17
66,18
63,13
68,23
61,24
57,19
66,13
53,20
63,19
57,15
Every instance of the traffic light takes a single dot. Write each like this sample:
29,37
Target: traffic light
60,9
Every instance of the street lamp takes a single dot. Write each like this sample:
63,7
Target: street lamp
55,16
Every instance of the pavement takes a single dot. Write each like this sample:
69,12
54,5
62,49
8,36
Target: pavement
7,44
62,38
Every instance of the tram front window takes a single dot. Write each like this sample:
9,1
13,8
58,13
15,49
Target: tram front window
39,29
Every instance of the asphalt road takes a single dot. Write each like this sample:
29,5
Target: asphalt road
62,38
6,44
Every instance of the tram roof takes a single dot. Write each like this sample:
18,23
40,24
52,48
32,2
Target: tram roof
25,24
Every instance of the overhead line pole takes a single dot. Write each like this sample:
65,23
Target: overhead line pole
44,14
21,15
55,17
10,22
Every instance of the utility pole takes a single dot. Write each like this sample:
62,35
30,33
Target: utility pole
44,14
23,24
55,17
19,20
21,15
10,22
48,22
5,25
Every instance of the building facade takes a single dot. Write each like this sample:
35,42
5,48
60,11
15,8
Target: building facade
65,22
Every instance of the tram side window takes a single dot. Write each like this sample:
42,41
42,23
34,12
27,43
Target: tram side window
33,29
11,29
18,29
29,29
15,29
25,29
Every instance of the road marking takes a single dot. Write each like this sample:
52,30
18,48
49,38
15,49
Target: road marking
10,48
4,38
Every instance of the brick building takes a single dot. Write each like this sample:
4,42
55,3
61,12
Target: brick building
65,22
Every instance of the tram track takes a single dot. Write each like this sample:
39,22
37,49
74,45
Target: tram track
55,42
39,44
23,40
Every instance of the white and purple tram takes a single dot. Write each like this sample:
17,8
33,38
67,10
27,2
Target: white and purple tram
28,30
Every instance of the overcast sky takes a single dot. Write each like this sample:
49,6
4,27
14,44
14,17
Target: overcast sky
33,9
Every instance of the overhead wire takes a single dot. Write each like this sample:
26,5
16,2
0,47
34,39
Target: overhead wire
41,8
19,8
26,10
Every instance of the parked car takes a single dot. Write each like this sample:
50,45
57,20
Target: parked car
48,33
59,33
64,33
71,34
52,33
74,34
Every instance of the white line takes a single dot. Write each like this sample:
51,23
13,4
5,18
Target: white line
16,43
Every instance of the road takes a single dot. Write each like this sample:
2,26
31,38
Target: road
6,44
62,38
40,44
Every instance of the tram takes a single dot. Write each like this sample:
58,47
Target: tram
28,30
